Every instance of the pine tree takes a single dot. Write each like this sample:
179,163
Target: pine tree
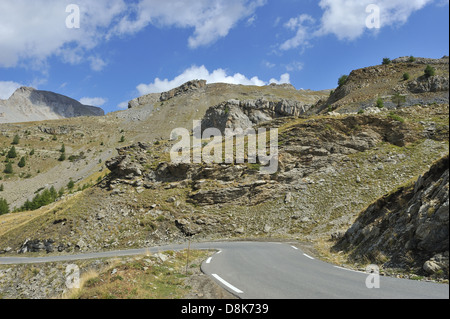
386,61
398,99
12,152
22,162
71,185
8,168
62,157
16,140
4,207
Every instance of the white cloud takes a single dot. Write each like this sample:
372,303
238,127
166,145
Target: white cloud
7,88
97,63
269,65
211,20
123,105
36,30
33,31
285,79
303,32
195,72
294,66
346,19
251,21
93,101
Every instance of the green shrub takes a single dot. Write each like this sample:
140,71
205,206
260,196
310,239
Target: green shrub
398,99
406,76
4,207
342,80
47,197
396,117
71,185
380,103
430,71
386,61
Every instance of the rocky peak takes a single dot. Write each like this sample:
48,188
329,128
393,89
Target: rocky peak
151,98
183,89
28,104
364,86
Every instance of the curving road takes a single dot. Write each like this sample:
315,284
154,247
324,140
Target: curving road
265,270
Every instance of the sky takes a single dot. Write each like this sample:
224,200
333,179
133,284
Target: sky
107,52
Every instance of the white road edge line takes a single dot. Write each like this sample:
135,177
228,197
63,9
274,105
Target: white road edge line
208,260
218,252
361,272
294,247
308,256
227,284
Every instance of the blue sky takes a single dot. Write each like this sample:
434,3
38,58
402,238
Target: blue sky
124,49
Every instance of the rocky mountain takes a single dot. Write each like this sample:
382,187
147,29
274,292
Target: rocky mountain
407,227
29,105
363,87
96,138
334,162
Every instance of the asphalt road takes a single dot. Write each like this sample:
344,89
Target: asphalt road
265,270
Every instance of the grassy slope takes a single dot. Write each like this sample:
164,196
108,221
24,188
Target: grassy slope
324,203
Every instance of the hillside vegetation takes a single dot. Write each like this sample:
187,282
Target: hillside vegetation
339,152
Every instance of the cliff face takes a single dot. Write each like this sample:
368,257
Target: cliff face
234,114
407,228
28,104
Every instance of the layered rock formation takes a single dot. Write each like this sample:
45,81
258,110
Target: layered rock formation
28,105
161,97
407,228
235,114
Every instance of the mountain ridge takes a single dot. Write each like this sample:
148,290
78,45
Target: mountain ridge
27,104
332,165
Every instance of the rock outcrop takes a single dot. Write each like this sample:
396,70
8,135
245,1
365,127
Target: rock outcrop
437,83
165,96
28,104
365,86
234,114
183,89
407,228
